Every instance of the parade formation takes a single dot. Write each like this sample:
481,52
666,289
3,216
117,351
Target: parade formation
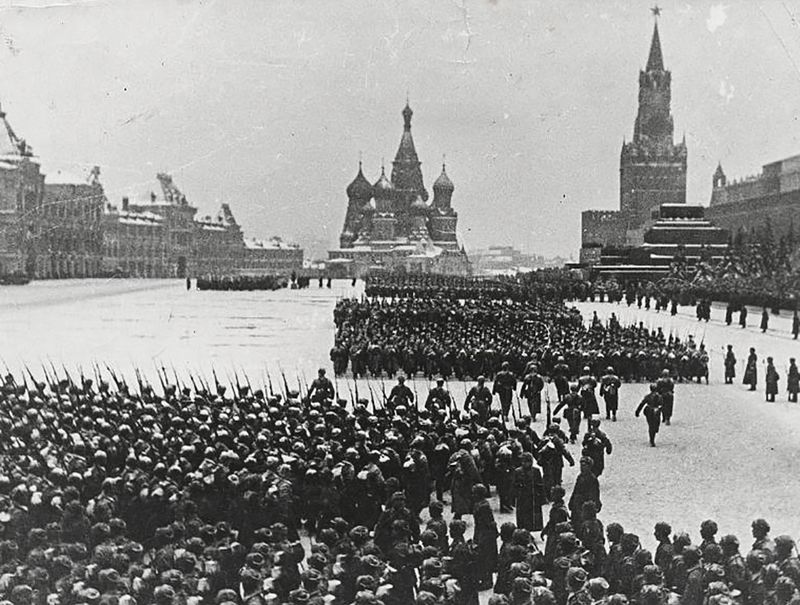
433,335
515,439
364,488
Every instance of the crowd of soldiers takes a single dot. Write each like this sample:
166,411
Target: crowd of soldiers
474,337
240,283
200,496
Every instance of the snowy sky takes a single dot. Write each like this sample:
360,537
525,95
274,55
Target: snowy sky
266,104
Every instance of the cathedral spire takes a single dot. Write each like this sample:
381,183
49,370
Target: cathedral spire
407,113
655,61
406,173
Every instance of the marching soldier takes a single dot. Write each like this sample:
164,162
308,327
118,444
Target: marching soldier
574,409
652,405
479,399
504,386
561,377
531,390
438,397
609,391
666,388
551,454
321,388
400,394
596,445
587,384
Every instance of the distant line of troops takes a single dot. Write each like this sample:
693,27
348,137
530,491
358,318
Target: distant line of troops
240,282
642,296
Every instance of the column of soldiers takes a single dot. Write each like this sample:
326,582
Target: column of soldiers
475,337
199,495
243,282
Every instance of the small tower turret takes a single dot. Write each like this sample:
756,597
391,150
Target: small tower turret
719,179
443,191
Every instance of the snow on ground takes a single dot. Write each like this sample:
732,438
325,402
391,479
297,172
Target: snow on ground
728,455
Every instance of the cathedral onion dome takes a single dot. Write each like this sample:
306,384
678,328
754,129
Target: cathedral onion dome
360,188
443,184
419,208
369,207
383,188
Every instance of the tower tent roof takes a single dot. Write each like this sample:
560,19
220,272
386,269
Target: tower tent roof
406,173
655,61
406,152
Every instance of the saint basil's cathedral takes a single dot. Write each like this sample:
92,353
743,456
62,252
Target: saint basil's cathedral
392,226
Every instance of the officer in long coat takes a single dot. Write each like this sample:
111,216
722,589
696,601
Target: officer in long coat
730,365
751,370
586,489
771,379
529,494
793,380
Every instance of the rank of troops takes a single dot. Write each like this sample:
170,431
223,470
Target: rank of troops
242,282
448,287
475,337
199,496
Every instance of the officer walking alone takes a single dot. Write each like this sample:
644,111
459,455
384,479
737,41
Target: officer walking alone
651,404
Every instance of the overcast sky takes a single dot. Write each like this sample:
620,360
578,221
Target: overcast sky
267,104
